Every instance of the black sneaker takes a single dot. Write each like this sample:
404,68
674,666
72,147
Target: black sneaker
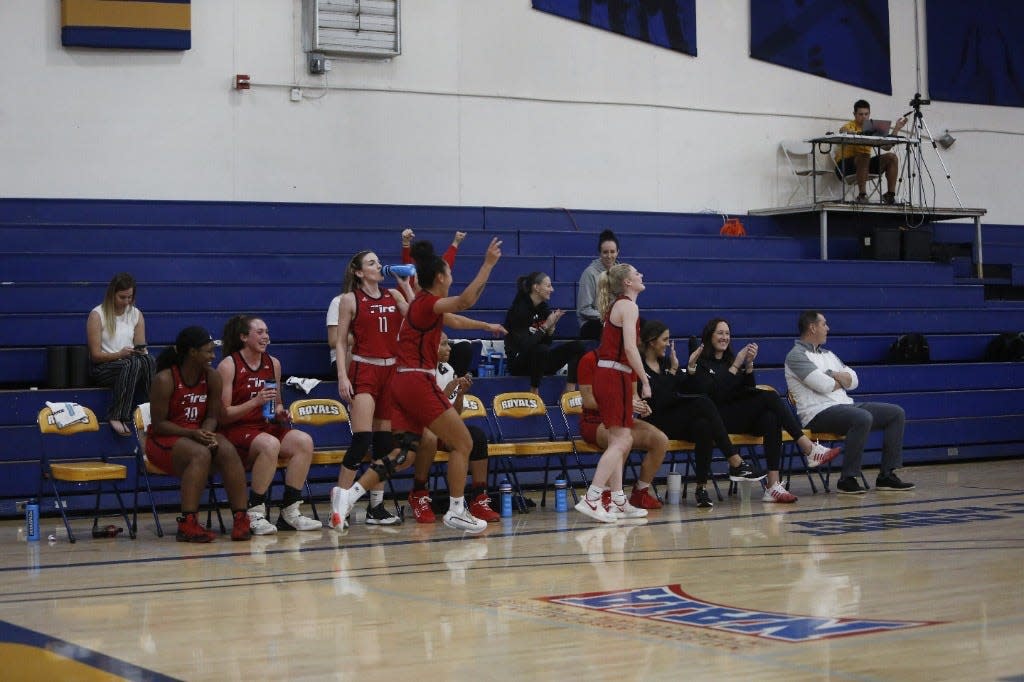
891,482
849,486
703,499
380,516
744,472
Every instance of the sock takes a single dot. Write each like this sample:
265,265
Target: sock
642,485
355,492
418,484
594,493
619,497
256,499
457,505
291,496
376,497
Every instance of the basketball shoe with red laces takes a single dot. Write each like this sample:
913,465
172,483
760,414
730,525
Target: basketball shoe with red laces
419,500
240,527
644,499
190,530
480,507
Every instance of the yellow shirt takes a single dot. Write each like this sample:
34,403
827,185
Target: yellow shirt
850,150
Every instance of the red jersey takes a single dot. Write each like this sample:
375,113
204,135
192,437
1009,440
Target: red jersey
187,404
248,382
375,325
585,376
612,346
420,334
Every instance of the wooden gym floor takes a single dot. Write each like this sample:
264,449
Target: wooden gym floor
926,585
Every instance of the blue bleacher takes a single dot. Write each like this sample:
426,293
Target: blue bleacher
59,255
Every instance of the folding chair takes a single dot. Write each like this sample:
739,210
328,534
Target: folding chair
145,470
821,437
802,165
521,420
326,415
473,412
61,469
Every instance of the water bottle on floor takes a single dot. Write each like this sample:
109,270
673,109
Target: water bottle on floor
32,521
505,488
561,501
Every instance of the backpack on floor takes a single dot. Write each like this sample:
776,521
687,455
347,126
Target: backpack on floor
909,349
1007,347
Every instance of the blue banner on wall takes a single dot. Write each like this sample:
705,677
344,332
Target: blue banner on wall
667,23
842,40
975,52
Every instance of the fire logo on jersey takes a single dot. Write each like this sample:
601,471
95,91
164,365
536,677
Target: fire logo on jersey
670,604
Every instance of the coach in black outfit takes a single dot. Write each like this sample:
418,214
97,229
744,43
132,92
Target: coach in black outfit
531,324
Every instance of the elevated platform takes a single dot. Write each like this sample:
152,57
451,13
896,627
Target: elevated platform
915,215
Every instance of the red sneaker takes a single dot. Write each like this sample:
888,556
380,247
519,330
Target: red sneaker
643,499
419,500
190,530
480,507
240,527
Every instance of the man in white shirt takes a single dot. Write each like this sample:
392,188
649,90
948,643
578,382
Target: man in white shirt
818,381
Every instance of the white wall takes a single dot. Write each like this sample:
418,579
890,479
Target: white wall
490,103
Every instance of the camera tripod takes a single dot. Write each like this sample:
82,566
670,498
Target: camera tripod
915,165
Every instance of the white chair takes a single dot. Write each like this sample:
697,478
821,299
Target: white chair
873,186
801,165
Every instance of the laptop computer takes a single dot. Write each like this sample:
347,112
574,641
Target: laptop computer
877,127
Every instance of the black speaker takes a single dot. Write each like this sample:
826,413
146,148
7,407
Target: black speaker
917,244
882,243
57,366
79,366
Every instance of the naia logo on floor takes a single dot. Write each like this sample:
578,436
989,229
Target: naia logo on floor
670,604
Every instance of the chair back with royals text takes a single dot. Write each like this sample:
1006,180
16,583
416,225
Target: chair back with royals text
74,476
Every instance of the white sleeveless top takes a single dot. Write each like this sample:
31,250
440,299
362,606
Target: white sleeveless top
124,329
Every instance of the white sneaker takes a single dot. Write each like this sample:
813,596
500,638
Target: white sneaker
778,493
464,521
595,510
626,510
340,507
258,523
292,519
821,455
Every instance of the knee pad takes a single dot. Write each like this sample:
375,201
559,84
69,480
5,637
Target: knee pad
479,450
357,451
383,443
386,466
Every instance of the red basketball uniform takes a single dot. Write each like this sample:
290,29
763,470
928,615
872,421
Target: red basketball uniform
590,419
613,385
186,408
247,382
416,397
375,332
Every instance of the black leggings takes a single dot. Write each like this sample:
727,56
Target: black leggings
762,413
543,359
695,418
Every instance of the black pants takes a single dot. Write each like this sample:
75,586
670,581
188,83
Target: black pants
695,418
762,413
543,359
591,330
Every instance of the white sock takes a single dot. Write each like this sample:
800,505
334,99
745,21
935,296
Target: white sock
642,485
457,505
355,492
594,493
619,497
376,497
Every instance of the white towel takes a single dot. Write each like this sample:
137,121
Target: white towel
65,414
305,385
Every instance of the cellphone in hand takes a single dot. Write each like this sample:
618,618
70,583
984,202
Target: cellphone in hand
140,346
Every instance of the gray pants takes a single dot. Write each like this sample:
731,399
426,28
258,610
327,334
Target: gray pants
856,421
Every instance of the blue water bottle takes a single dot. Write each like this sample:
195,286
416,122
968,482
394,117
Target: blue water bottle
32,521
398,270
561,502
505,488
270,407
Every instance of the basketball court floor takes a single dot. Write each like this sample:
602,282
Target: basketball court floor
925,585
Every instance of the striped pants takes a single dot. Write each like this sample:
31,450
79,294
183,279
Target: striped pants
129,380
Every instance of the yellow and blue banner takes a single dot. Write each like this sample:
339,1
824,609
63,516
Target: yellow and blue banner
130,24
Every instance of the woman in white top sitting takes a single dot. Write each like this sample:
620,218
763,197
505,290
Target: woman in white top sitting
116,333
